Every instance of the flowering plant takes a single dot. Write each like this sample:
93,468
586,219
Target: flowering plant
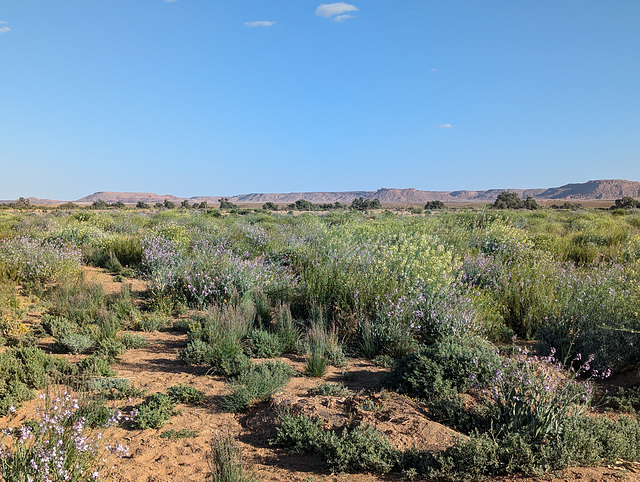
57,447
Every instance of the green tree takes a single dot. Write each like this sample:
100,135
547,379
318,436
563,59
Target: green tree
434,205
226,204
626,202
531,204
168,204
142,205
99,204
508,200
269,206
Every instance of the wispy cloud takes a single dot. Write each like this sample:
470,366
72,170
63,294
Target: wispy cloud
342,18
170,1
337,12
444,126
260,23
4,29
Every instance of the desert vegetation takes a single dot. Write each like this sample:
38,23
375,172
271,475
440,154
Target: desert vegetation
514,331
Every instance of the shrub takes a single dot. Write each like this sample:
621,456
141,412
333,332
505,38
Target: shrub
262,344
362,449
95,365
114,388
226,357
58,447
456,363
330,390
23,369
178,434
256,383
150,322
133,341
74,343
185,394
154,412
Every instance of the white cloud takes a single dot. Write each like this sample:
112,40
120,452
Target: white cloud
170,1
444,126
4,29
260,23
433,70
336,11
342,18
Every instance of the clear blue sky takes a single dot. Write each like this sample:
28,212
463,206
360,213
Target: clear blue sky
209,97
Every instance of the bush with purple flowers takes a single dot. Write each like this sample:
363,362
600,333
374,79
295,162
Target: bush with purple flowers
58,448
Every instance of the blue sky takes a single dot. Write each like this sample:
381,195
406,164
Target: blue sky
209,97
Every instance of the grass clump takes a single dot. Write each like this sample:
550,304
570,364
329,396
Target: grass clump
225,461
256,383
322,349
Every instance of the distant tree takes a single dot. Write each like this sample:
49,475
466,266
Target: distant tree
269,206
158,205
531,204
226,204
118,205
99,204
21,203
202,205
508,200
434,205
68,206
168,204
185,204
362,204
142,205
302,205
626,202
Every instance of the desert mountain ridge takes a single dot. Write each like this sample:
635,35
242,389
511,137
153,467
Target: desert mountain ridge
606,190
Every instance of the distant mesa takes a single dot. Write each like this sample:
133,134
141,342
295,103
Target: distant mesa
605,190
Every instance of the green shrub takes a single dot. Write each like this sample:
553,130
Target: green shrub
23,369
623,400
454,363
362,449
74,343
154,412
185,394
256,383
262,344
77,301
132,341
330,390
178,434
150,322
114,388
58,326
95,365
225,357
